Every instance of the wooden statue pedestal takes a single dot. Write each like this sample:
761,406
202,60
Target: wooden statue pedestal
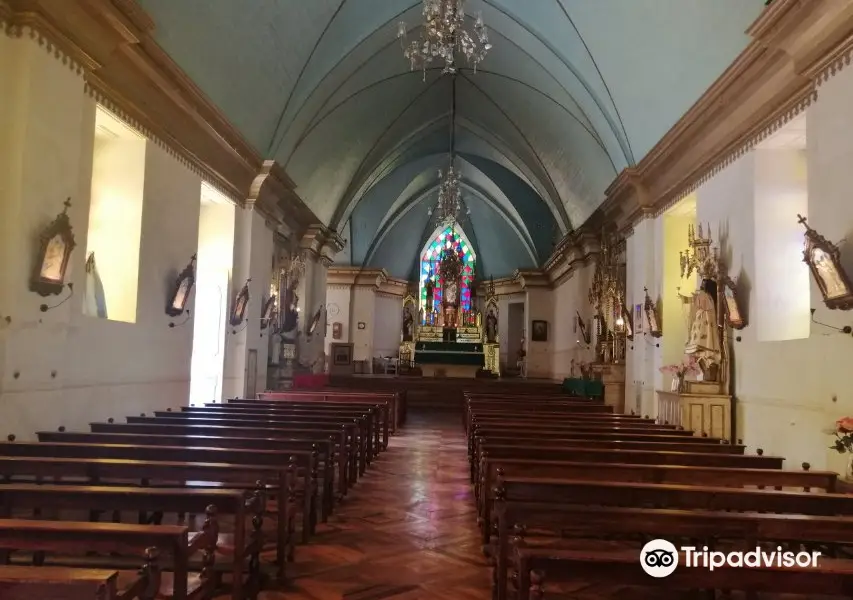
612,375
698,410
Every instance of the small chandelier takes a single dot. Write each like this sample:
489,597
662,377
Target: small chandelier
443,35
449,196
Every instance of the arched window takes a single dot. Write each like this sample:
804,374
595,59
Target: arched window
446,236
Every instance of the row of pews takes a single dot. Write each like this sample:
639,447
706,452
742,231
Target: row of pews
183,503
567,491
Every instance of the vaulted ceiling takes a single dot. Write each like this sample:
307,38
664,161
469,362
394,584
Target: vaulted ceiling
572,92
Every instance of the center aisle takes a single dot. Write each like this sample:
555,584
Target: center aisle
407,531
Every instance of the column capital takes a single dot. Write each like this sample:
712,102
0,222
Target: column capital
322,242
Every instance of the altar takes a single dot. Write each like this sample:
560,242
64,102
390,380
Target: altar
445,334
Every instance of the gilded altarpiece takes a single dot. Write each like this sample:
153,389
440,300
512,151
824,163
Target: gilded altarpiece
612,321
703,402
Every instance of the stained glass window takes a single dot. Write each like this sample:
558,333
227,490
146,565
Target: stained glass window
447,237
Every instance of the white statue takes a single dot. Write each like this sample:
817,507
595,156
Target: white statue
703,342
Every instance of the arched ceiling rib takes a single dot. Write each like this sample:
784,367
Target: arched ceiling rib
572,92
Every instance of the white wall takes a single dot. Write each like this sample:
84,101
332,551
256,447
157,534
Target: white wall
61,367
363,311
215,254
570,297
540,307
388,325
338,299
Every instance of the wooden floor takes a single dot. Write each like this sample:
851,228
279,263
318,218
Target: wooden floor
407,531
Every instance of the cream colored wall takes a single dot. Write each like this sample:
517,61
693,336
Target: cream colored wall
388,326
215,255
505,337
364,311
788,393
540,306
569,298
61,367
339,295
115,216
674,313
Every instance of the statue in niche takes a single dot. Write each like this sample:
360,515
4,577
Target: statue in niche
408,325
703,343
491,327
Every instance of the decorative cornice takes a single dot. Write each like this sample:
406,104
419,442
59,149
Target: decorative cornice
796,45
111,43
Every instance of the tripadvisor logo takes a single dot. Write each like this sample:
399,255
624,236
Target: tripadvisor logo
659,558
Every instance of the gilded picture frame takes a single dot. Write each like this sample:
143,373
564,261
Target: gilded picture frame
241,302
652,319
824,261
268,311
732,307
56,242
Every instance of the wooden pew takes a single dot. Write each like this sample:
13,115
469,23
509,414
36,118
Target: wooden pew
490,469
380,423
166,448
832,576
582,453
382,409
57,583
362,431
395,400
551,494
102,471
70,538
346,444
240,505
357,440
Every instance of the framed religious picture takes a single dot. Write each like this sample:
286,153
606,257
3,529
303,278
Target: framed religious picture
238,312
539,331
337,331
268,312
638,318
181,290
733,314
652,319
54,250
824,260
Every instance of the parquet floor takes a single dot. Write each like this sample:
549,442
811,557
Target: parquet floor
407,531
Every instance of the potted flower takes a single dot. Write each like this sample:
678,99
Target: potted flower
844,440
687,367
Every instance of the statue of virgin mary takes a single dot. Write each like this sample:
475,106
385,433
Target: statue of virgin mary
703,342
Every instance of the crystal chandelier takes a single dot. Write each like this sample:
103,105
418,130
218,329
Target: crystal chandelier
449,196
443,35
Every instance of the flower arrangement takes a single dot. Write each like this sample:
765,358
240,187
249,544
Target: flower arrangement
687,367
843,436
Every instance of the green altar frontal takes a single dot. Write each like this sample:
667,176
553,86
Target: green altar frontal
587,388
449,353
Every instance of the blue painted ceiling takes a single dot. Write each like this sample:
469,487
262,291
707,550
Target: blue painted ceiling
572,92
